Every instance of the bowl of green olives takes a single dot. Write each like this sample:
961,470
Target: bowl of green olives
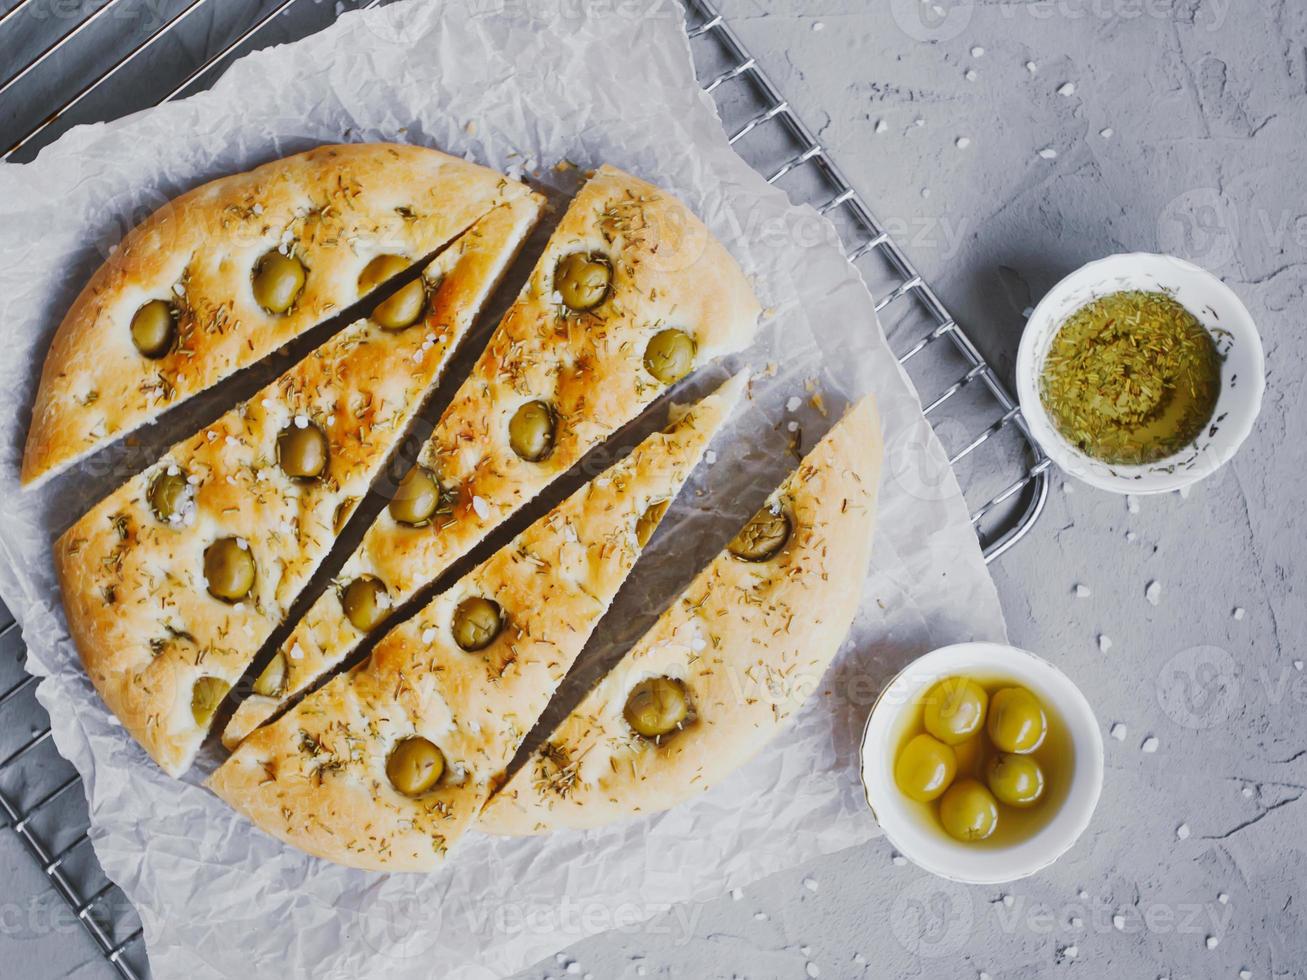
982,763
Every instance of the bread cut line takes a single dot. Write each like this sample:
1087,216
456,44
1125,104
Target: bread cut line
387,765
231,271
631,294
726,665
173,582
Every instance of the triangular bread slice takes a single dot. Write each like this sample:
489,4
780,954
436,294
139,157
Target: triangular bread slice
744,645
323,776
138,589
589,368
333,210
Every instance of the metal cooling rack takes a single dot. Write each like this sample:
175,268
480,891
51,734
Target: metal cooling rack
1003,472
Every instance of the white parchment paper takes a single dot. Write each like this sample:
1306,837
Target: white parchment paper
513,85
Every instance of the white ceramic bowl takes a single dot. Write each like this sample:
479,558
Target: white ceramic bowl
901,820
1243,380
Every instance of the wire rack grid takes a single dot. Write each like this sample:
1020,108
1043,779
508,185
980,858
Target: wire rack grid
38,799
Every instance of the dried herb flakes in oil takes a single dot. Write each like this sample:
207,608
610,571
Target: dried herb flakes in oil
1131,378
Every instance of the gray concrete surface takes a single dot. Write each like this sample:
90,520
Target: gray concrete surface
1014,141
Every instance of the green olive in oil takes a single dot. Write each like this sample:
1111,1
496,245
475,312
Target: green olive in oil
1002,781
1131,378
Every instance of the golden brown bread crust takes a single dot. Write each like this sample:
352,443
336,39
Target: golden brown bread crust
668,271
316,777
750,642
338,207
134,589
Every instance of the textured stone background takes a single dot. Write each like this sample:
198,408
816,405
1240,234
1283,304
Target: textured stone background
1014,141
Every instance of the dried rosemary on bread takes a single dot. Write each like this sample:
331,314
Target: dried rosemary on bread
631,294
386,766
231,271
173,582
726,665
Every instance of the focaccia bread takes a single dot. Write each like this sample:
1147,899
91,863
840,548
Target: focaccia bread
173,582
726,664
387,765
631,294
231,271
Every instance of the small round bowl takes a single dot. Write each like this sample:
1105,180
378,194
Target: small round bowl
900,819
1243,380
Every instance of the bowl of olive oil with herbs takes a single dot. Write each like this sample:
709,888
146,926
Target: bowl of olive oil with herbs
1140,373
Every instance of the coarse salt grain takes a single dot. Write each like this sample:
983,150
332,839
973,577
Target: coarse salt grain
1153,592
1082,591
1182,831
1119,732
481,508
793,403
1066,89
1150,744
1104,643
1048,153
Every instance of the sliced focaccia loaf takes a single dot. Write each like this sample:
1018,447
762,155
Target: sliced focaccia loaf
387,765
173,582
726,664
631,294
231,271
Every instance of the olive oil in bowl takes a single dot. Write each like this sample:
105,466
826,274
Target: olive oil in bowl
1131,378
965,781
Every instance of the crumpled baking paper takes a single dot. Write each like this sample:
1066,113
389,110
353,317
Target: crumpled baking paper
516,86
